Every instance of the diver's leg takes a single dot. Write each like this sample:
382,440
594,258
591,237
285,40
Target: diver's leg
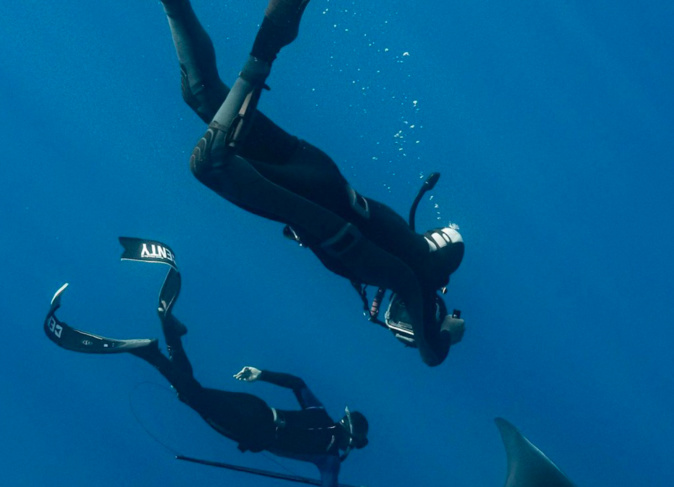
234,118
204,91
179,376
242,417
219,160
202,88
279,28
173,331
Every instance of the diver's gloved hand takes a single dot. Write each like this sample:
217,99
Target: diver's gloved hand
248,374
455,326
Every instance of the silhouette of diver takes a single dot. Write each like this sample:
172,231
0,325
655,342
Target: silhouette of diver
250,161
307,434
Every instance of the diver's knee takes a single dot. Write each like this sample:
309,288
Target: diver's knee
210,151
358,203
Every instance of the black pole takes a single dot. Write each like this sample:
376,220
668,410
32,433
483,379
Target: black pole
256,471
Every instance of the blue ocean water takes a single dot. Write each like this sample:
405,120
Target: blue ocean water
552,126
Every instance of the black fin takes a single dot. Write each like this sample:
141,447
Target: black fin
70,338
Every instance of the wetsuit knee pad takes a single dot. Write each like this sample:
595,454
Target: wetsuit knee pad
209,151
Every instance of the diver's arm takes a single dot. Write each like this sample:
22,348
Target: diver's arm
251,374
283,380
303,394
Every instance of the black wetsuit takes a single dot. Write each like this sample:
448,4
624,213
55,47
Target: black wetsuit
308,434
280,177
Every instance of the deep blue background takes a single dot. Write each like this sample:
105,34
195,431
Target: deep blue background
552,125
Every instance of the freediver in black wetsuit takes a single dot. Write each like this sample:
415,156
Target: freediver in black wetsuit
247,159
307,434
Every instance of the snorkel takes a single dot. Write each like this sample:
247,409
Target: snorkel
428,185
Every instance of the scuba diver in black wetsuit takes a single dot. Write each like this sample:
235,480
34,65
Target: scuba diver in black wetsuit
308,434
247,159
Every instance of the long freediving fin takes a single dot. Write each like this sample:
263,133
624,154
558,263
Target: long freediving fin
70,338
169,293
155,252
152,251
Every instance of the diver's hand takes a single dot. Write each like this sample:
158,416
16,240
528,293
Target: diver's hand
248,374
456,328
